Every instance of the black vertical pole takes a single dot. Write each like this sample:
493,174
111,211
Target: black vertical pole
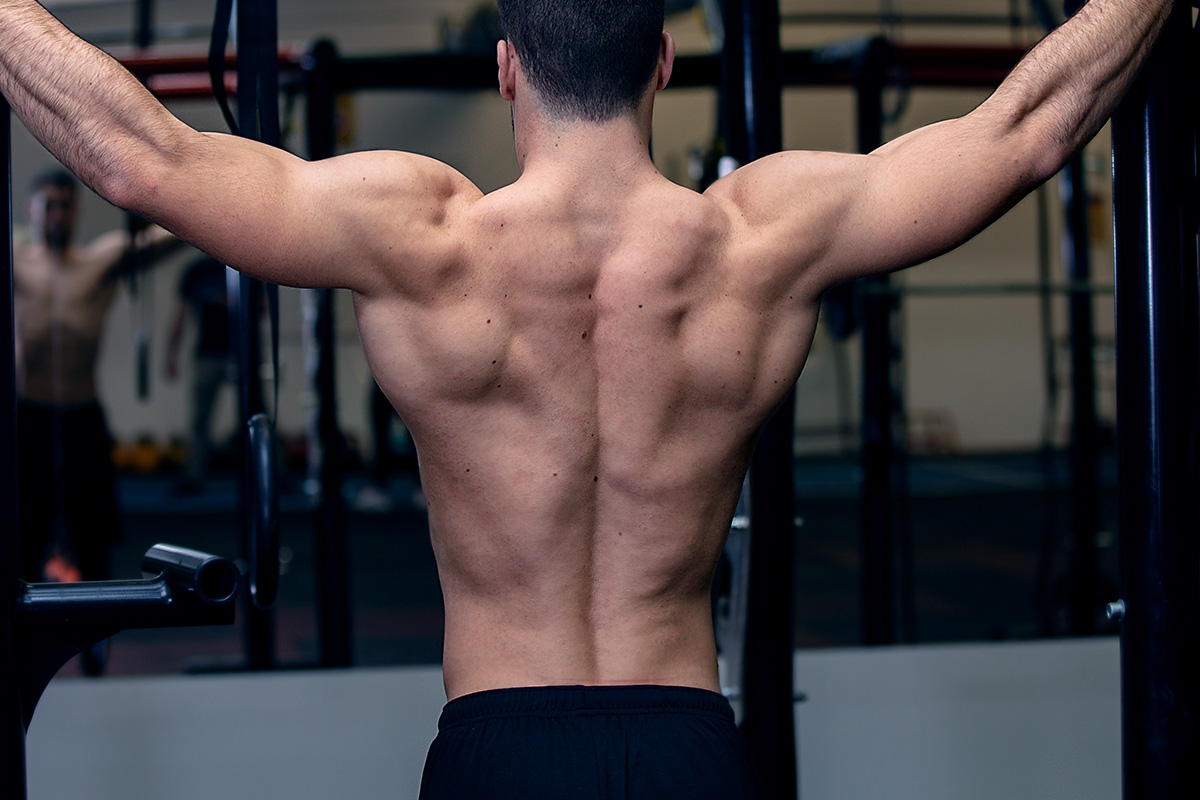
333,570
1157,395
12,719
246,297
754,101
140,286
879,399
143,23
257,51
1085,481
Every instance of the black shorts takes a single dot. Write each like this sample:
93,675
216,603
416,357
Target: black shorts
68,487
590,743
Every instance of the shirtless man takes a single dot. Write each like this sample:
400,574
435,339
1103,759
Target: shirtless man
584,357
62,295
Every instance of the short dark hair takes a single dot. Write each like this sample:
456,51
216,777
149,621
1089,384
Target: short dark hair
54,178
587,60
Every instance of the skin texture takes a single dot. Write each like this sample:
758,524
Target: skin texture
62,296
584,357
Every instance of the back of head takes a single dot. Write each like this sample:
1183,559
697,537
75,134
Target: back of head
587,60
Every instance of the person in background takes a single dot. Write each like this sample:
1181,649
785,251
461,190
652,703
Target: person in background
203,300
62,294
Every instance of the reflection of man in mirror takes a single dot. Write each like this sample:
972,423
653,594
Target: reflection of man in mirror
62,296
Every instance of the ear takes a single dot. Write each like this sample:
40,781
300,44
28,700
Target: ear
666,60
506,60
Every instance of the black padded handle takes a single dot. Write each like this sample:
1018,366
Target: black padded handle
210,579
264,511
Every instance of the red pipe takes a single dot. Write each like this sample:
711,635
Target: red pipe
185,77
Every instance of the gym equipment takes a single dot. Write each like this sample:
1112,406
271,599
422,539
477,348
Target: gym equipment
334,620
1158,392
753,103
57,621
257,118
42,626
263,503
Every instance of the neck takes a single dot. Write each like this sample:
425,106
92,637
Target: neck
617,147
56,248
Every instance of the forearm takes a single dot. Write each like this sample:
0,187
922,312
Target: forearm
80,103
1069,85
146,250
929,191
157,243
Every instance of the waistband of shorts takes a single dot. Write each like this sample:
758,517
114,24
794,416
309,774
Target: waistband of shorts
561,700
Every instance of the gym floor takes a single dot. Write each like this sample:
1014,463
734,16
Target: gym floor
989,537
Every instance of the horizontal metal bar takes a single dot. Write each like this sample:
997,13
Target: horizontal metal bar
833,65
982,67
417,71
985,289
187,86
186,76
146,64
955,66
162,33
868,18
54,5
114,605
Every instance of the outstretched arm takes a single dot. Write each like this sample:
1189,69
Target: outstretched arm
340,222
144,251
831,218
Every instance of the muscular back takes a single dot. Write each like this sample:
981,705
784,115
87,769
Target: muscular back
583,373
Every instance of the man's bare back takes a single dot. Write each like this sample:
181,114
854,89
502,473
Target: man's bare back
584,395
